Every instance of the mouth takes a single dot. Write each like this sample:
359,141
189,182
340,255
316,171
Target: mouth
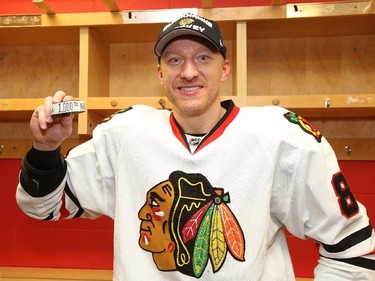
190,88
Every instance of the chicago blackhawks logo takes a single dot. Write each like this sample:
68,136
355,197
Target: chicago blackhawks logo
306,126
185,223
186,21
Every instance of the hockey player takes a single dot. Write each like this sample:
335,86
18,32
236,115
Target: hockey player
204,191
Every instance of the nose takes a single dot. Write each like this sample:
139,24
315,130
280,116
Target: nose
189,70
143,214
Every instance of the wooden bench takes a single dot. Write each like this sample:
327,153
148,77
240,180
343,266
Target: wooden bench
61,274
53,274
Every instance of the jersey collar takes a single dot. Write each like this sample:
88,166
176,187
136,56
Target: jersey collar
231,113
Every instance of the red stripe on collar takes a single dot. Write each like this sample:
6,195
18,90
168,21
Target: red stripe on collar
216,132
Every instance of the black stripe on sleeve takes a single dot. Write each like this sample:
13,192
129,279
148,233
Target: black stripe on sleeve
360,262
70,194
350,241
50,217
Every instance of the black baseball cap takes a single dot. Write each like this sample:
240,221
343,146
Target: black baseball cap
190,24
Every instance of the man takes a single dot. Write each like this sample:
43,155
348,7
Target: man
220,182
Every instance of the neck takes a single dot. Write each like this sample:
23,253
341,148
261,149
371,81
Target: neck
200,124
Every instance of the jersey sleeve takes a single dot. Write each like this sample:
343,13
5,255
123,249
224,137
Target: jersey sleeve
319,203
74,189
80,185
43,192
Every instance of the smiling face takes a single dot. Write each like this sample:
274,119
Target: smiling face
191,70
154,229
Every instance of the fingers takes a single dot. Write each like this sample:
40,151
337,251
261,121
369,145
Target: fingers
38,118
49,131
46,115
66,124
58,97
43,113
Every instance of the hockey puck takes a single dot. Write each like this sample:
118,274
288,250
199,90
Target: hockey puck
68,107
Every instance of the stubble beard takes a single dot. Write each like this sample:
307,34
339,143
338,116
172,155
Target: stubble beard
193,106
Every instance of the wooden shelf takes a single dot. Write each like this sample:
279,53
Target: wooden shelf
345,149
339,106
311,27
320,66
354,148
17,148
38,36
17,109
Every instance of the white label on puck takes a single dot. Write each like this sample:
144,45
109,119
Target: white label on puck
68,107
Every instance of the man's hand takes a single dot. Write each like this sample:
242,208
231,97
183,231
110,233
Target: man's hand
48,132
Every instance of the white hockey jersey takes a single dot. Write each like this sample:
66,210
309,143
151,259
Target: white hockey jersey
218,213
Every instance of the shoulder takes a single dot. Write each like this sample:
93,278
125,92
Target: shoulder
263,114
281,125
137,116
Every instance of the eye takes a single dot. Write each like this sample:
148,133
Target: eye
203,58
154,200
153,203
175,61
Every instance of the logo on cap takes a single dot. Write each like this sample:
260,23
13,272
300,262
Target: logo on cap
190,24
186,21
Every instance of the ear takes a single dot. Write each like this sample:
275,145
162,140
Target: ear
225,70
160,74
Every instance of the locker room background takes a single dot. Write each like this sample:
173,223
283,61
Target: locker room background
88,244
